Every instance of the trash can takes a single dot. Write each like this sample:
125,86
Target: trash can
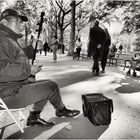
97,108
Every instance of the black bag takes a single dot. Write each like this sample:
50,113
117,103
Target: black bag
97,108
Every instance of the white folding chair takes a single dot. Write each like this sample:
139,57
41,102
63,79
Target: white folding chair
20,115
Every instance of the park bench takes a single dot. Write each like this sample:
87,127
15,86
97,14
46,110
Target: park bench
83,55
120,59
125,59
133,65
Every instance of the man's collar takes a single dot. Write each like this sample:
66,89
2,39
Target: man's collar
11,32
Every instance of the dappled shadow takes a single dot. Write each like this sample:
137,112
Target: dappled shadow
81,128
74,77
129,85
29,133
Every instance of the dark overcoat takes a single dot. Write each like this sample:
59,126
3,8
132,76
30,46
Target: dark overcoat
96,36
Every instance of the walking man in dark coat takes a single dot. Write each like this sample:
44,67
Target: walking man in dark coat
105,51
97,37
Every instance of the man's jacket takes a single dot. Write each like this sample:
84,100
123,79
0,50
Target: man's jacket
96,36
14,66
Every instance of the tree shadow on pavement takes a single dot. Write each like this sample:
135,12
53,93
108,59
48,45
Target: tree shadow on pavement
74,77
71,128
129,85
79,128
29,133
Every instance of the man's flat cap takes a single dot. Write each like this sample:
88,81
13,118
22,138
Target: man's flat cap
14,13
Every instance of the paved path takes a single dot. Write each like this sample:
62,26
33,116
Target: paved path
74,79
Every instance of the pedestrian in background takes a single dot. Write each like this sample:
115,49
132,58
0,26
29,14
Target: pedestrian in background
105,51
97,37
45,47
120,48
39,46
63,48
112,50
78,48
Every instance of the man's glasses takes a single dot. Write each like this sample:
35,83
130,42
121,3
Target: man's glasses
17,20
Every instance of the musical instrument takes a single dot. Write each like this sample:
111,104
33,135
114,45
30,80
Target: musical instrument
39,31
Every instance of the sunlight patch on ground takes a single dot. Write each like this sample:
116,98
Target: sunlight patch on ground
125,83
103,84
131,99
43,74
70,71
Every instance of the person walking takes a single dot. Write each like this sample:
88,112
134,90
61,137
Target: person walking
120,48
45,47
97,37
78,48
63,48
105,51
39,46
18,87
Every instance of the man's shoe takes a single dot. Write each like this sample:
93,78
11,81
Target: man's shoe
35,120
67,112
102,71
97,74
54,61
93,71
39,122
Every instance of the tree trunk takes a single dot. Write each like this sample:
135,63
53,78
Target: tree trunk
61,35
50,35
56,26
72,33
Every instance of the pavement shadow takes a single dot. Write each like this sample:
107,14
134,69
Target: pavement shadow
80,128
74,77
129,85
29,133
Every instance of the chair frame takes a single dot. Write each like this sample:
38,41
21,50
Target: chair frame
9,111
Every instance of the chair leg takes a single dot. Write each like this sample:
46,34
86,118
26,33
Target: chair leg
21,129
8,111
128,72
134,73
21,116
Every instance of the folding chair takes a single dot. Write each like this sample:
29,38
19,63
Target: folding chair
9,111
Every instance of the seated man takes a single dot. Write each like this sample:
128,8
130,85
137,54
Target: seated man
136,57
17,84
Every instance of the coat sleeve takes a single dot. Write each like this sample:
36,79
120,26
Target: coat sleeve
90,46
103,37
14,66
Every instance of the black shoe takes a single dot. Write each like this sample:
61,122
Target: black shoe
67,113
93,71
35,120
134,74
96,74
102,71
39,122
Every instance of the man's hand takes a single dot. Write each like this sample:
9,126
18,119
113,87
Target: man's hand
99,46
31,80
35,69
